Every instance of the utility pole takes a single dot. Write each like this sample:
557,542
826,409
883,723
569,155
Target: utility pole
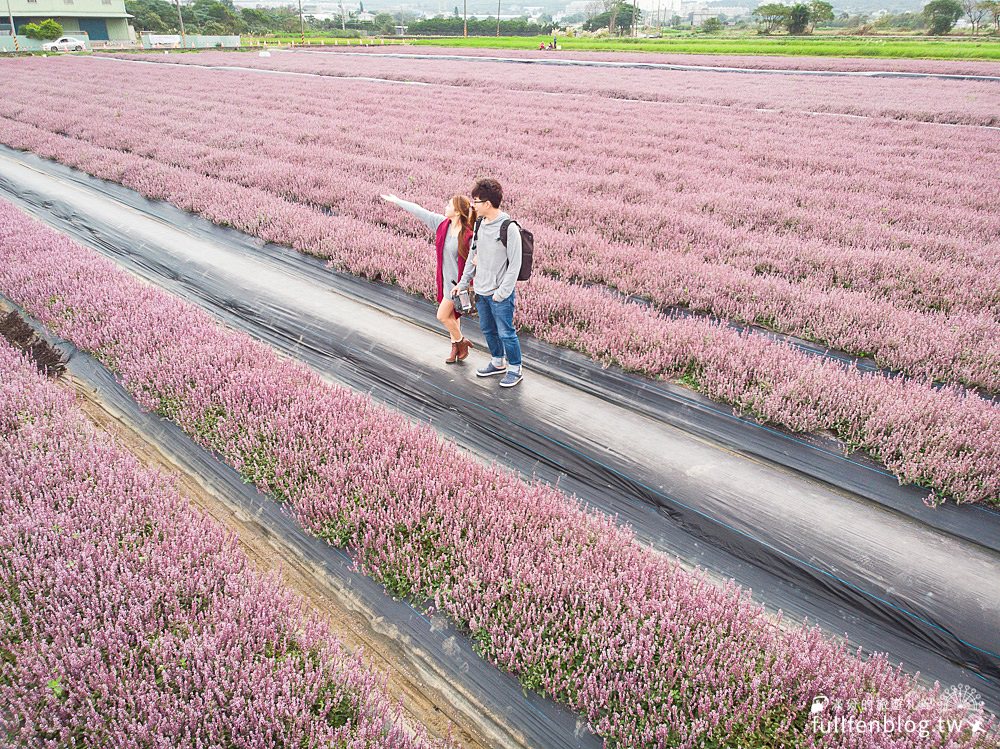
181,19
465,15
498,18
302,25
13,31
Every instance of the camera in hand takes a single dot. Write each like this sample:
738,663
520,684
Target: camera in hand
465,301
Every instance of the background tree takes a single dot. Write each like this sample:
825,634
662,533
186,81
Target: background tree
217,17
908,21
612,7
157,16
797,20
45,31
213,28
992,8
941,15
819,12
385,23
975,12
617,18
205,17
770,16
256,19
711,26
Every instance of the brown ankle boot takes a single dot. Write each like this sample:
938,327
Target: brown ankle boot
463,348
453,357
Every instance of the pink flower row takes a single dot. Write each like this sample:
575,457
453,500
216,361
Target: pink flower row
927,100
572,604
130,620
765,62
741,239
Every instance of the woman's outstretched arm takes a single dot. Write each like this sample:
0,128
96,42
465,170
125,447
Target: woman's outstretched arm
429,218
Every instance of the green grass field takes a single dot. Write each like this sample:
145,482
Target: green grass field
819,46
938,48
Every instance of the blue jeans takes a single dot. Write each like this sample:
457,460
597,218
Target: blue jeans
496,319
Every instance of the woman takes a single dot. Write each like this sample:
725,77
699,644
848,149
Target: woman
453,234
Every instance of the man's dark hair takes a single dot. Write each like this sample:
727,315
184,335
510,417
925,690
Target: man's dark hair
488,189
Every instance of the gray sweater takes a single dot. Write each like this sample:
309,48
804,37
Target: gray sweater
494,266
449,269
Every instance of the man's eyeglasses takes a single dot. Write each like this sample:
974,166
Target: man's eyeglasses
477,200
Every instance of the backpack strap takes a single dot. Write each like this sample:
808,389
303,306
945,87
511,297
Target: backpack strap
503,237
503,230
475,235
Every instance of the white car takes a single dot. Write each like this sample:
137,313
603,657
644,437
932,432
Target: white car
66,44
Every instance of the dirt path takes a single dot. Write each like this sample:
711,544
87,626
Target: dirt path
427,700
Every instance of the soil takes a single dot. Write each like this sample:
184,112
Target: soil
14,329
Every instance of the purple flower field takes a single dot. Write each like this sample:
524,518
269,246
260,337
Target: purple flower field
767,62
872,237
563,598
149,627
682,218
946,101
888,257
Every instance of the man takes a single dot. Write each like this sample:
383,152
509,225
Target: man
495,270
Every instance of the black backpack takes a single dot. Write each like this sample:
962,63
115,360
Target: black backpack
527,248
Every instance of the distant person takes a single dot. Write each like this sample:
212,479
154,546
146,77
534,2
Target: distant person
452,235
495,269
541,45
554,41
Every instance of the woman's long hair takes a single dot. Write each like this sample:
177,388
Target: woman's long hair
467,222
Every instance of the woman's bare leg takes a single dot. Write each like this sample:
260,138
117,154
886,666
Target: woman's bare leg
446,316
